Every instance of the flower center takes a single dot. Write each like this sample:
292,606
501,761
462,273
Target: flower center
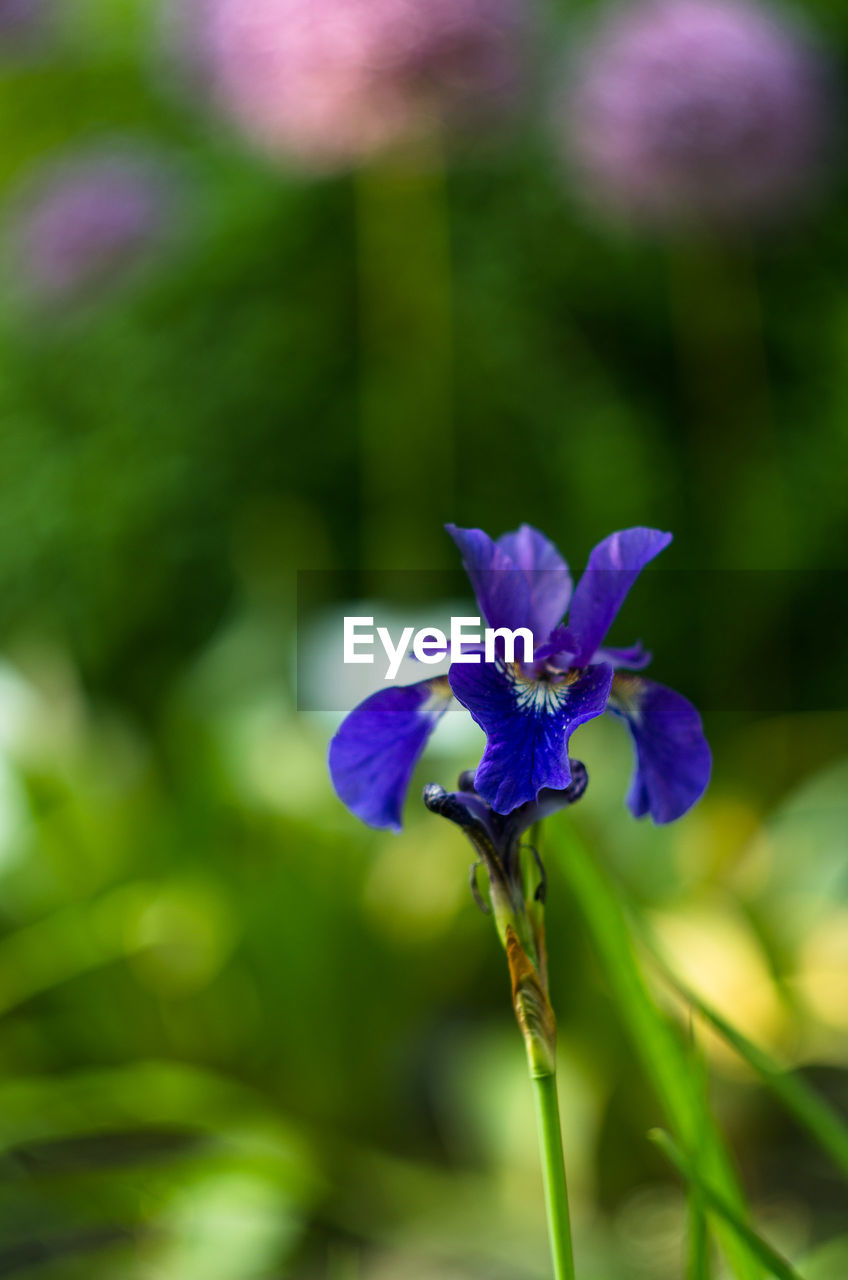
542,693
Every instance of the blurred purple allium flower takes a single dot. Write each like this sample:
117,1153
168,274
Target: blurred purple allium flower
713,111
22,24
330,82
16,15
84,221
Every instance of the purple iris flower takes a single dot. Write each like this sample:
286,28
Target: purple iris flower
529,711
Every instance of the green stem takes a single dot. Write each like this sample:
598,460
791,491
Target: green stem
699,1242
553,1176
775,1264
536,1020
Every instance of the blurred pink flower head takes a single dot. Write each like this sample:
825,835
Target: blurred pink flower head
328,83
84,221
698,111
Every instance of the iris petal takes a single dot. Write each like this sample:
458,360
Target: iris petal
613,567
547,802
520,581
634,657
527,724
673,759
377,746
548,580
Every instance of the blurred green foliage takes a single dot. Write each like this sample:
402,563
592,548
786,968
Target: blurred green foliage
242,1036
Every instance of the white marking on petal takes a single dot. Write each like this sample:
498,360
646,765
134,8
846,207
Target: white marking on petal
538,697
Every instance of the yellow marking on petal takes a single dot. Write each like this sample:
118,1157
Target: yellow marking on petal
627,693
439,697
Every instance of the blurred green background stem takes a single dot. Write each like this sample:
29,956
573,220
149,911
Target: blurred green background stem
405,334
665,1060
734,461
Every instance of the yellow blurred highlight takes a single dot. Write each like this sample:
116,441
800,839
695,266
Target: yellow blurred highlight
714,837
714,950
273,760
181,937
823,971
286,767
651,1225
409,1266
417,885
176,938
224,1224
489,1100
